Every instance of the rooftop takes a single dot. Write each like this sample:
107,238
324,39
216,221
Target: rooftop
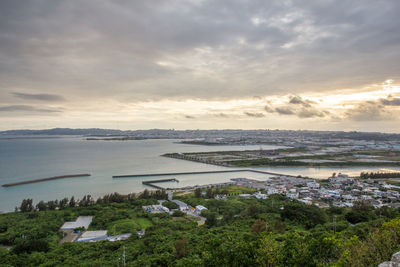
81,221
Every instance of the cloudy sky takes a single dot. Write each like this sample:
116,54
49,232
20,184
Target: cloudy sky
194,64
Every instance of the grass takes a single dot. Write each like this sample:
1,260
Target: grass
143,222
128,226
235,189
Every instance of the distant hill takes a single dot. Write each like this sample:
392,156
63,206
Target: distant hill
65,131
236,134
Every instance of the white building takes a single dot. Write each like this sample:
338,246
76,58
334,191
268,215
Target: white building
292,195
182,205
81,221
259,195
200,208
91,236
348,197
313,185
119,237
272,191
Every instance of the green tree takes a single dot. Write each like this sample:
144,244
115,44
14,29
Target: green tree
259,226
181,248
211,218
252,210
197,193
307,215
41,206
270,252
209,193
26,205
72,202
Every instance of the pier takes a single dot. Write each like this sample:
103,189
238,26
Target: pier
46,179
152,182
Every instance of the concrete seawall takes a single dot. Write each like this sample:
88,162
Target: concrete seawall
200,172
152,182
46,179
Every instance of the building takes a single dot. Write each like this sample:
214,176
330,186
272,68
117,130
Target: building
155,208
182,205
221,197
81,221
200,208
92,236
259,195
120,237
272,191
313,185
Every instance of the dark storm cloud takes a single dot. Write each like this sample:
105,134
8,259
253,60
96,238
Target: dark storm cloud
254,114
284,111
297,100
40,97
26,108
304,112
298,107
216,49
390,101
268,109
311,113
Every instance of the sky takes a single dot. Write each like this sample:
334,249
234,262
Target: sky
198,64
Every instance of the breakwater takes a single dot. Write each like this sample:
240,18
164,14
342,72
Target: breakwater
199,172
152,182
173,173
46,179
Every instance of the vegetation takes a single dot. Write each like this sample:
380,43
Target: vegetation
238,232
379,175
293,162
293,157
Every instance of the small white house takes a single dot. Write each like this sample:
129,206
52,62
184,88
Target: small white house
272,191
313,185
292,195
259,195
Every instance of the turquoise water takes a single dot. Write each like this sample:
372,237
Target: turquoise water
26,158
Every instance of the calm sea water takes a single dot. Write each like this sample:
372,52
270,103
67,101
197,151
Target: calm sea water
32,158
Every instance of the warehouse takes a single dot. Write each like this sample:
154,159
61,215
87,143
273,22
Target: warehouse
89,236
81,221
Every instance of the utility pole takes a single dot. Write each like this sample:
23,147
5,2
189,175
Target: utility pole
334,224
124,257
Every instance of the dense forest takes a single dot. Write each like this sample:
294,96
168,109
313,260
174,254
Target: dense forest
238,232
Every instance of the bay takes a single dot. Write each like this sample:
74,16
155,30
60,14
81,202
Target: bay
33,158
